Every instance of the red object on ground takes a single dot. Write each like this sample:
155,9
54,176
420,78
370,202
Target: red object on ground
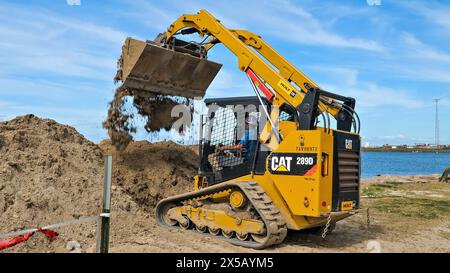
51,235
4,244
260,84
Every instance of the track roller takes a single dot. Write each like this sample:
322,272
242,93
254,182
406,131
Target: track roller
265,225
228,234
186,224
200,229
214,231
242,237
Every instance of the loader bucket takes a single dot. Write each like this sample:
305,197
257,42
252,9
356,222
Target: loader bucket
148,67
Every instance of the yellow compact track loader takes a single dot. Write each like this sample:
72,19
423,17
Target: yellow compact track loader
265,167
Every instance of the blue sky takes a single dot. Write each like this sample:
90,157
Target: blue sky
58,60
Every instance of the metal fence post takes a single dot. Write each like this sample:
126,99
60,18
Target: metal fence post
105,216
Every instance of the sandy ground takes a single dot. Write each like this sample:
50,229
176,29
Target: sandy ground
49,173
420,223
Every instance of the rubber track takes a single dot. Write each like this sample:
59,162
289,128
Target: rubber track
269,213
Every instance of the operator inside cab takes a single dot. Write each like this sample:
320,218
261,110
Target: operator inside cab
248,142
244,149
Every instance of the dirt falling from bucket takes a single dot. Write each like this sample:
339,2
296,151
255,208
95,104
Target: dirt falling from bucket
155,108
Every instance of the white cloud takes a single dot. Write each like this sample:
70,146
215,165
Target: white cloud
368,95
419,61
372,95
411,59
282,20
306,29
57,67
422,51
421,73
229,83
345,76
53,45
149,14
435,12
299,26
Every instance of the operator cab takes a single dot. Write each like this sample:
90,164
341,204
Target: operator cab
229,143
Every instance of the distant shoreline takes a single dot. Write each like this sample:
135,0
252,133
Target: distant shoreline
408,150
418,178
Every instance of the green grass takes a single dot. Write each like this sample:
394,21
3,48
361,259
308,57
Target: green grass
414,207
377,190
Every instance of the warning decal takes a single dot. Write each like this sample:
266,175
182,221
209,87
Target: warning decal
285,86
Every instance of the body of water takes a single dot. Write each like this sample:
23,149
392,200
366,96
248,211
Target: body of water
398,163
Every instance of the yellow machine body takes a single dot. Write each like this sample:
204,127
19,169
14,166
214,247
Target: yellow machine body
307,176
304,201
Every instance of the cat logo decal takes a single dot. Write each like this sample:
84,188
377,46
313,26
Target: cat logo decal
281,163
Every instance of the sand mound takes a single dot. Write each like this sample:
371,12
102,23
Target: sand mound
41,161
149,172
49,173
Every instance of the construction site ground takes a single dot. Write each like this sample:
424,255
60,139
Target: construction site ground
50,173
411,216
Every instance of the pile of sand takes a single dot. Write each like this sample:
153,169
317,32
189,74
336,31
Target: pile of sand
49,173
150,171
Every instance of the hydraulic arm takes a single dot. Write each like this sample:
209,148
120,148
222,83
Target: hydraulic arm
239,42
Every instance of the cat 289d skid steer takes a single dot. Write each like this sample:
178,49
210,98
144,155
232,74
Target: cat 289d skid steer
266,167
